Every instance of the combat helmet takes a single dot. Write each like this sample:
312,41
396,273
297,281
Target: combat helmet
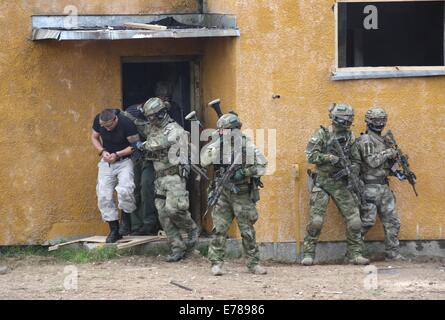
155,109
341,114
376,118
229,121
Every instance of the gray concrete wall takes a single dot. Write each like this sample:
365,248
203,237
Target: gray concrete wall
327,252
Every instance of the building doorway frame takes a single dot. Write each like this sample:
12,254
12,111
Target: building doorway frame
197,203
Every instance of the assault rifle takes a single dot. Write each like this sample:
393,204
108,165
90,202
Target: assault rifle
353,180
402,160
223,182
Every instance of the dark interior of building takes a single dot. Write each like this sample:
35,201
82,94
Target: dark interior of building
408,34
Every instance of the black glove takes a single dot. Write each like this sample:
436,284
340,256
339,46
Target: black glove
239,175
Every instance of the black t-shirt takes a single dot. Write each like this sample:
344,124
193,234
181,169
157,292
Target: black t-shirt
116,139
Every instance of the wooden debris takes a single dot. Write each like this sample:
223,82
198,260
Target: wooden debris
144,26
180,286
124,243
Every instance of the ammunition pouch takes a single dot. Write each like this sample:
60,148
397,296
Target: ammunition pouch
377,180
177,200
167,172
339,174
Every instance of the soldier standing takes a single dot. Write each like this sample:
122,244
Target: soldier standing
239,201
377,161
145,218
329,181
172,198
164,91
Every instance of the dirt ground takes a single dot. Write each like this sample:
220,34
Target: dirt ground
140,277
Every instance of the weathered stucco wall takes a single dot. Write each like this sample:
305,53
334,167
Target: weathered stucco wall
49,94
287,48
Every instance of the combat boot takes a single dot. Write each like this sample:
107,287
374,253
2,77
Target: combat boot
217,270
175,257
358,260
395,257
192,239
307,261
125,227
257,269
114,235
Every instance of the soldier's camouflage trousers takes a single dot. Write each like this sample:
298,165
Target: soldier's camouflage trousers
241,207
144,194
173,210
117,176
380,200
347,204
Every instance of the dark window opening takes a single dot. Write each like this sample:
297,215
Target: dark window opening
139,81
408,34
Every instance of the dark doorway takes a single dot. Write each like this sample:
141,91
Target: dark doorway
139,80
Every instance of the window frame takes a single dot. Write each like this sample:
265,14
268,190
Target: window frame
356,73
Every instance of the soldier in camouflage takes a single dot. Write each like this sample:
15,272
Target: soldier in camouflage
144,221
377,161
328,184
240,204
172,198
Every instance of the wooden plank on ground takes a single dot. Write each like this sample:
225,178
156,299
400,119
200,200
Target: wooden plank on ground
124,243
98,239
136,241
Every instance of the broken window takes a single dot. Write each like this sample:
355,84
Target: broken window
390,34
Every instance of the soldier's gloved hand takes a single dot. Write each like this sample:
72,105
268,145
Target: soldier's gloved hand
239,175
140,145
390,153
333,158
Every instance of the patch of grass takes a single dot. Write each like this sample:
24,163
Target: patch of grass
74,254
23,251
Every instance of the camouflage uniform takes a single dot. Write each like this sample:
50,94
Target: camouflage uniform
145,218
320,151
375,169
172,198
241,205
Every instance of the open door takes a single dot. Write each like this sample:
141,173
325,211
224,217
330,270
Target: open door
139,79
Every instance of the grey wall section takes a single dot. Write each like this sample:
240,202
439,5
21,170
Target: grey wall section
327,252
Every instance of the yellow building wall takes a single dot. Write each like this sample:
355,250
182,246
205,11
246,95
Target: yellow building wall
287,47
50,92
49,95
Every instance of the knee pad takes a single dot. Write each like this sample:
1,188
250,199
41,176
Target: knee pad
315,226
355,224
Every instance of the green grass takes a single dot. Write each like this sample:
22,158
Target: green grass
82,255
22,251
71,254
